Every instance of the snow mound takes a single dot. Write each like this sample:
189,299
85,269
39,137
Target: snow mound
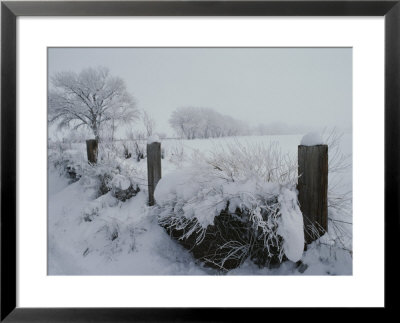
312,139
153,138
196,197
120,182
291,225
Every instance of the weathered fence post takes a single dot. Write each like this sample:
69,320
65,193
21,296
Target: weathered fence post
92,150
153,168
313,189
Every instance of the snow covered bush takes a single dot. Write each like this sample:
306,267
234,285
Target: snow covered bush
242,160
340,196
134,149
111,177
176,154
112,173
122,188
234,205
67,161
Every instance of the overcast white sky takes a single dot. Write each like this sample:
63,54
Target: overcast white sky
297,86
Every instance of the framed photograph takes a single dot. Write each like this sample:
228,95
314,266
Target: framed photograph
162,158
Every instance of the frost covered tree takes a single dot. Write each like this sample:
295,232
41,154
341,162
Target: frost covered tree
185,121
191,123
92,98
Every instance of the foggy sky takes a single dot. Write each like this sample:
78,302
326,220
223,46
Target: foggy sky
298,86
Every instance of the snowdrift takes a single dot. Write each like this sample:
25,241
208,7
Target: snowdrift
224,222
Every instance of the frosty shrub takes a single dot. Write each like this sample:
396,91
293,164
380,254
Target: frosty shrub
237,161
176,153
139,150
340,199
127,154
122,188
134,149
235,204
112,173
67,161
136,142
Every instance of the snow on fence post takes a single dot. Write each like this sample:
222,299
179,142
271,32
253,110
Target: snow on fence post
92,150
313,189
153,165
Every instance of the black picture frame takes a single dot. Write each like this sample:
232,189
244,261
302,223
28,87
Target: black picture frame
10,10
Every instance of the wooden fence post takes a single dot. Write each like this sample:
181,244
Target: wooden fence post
153,168
92,150
313,190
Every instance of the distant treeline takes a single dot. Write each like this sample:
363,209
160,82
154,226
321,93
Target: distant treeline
192,122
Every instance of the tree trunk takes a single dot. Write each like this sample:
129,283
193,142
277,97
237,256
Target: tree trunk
96,131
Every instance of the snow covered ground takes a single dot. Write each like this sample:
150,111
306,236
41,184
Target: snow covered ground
91,235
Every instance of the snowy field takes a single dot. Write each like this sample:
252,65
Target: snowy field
90,234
